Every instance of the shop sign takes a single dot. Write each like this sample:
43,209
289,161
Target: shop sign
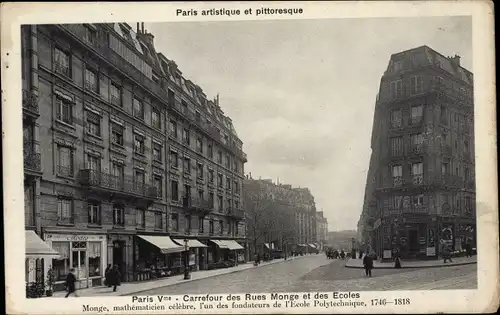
421,240
74,237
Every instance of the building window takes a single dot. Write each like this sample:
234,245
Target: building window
175,222
118,215
211,226
221,225
171,97
139,178
173,129
236,229
115,95
117,134
416,114
184,107
62,62
416,85
188,223
443,115
445,169
138,109
140,218
221,204
210,151
91,83
157,149
93,163
211,176
158,220
219,157
228,161
93,124
64,110
228,183
416,142
211,200
397,175
219,180
199,145
139,146
174,159
236,187
201,222
418,201
157,182
417,170
198,116
174,190
463,93
396,89
201,194
236,204
155,118
229,226
187,165
199,171
64,161
229,204
90,35
65,210
185,136
397,146
396,118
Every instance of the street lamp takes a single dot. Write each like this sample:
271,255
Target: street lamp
187,276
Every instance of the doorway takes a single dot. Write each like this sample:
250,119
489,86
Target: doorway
413,240
118,257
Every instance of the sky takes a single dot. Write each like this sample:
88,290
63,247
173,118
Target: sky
301,93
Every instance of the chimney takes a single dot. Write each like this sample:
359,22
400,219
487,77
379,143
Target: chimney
456,60
142,27
138,31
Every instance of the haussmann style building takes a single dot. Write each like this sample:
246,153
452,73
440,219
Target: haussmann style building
420,188
126,162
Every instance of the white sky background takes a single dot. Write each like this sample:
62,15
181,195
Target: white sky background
301,93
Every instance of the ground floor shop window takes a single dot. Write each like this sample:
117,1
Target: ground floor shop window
94,253
61,265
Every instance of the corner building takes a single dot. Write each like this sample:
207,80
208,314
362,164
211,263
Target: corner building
121,154
420,190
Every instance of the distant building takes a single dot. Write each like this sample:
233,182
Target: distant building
279,216
420,189
125,160
321,229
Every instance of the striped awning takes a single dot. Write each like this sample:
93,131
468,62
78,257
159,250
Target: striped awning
227,244
192,243
164,243
37,248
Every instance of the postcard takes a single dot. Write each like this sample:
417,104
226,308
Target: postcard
246,157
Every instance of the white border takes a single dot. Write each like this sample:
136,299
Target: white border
12,15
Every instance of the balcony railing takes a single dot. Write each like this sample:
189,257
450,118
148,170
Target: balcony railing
418,179
32,161
417,149
451,180
196,203
125,184
236,213
30,101
397,181
451,93
398,123
416,120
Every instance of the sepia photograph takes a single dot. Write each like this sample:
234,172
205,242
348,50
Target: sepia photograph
250,157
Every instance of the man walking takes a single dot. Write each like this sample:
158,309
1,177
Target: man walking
70,282
115,277
368,264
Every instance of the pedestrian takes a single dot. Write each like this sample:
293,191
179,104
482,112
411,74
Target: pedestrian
397,262
70,283
342,254
368,264
115,277
468,249
106,275
360,254
446,254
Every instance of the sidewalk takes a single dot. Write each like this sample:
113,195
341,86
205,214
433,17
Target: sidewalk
358,263
128,288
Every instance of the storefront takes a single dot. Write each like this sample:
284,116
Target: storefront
224,253
85,253
197,260
156,256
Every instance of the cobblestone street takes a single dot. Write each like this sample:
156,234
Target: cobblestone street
317,273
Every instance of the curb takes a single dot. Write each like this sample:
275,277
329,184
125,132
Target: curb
198,279
417,267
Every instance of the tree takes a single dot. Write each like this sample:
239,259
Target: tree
258,205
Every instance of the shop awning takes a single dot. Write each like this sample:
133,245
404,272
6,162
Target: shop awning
312,246
227,244
267,245
164,243
37,248
191,243
302,245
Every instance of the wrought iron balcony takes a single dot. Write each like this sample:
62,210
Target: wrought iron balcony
398,181
32,161
417,149
451,180
196,204
236,213
124,186
30,103
396,124
418,179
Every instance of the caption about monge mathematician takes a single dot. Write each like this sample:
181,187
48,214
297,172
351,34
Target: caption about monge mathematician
238,12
